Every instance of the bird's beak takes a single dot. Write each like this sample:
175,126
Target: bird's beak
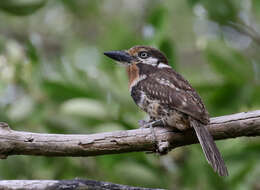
120,56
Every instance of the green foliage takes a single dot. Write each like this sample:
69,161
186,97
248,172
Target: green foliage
221,11
55,79
21,7
256,8
236,72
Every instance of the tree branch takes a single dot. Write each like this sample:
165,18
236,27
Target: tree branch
247,30
76,184
26,143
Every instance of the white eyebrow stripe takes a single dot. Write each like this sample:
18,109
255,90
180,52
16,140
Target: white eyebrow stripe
163,65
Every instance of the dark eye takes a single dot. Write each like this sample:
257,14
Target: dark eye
143,54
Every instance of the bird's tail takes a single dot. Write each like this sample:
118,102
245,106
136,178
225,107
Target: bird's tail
209,148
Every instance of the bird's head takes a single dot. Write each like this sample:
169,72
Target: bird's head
139,54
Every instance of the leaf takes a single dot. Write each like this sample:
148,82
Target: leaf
78,7
225,99
229,63
256,7
221,11
157,16
256,96
168,48
32,53
21,7
84,107
61,91
241,175
193,2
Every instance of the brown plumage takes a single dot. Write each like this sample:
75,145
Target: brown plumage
165,95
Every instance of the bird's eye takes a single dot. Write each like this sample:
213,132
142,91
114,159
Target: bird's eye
143,54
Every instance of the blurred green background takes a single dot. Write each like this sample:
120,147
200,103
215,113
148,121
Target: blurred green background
55,79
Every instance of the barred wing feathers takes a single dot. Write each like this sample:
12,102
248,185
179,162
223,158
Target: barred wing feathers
169,88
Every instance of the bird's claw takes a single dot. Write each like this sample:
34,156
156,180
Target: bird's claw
162,148
148,124
143,124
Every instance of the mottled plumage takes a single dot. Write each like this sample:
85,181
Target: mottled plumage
164,87
165,95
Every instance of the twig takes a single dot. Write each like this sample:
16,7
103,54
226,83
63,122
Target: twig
26,143
76,184
246,30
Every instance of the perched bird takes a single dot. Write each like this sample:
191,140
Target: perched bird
166,96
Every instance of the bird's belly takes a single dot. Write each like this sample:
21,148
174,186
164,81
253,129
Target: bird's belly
152,107
177,119
156,110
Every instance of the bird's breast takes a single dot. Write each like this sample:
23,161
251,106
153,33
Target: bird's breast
134,76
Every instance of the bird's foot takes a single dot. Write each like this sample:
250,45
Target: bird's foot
143,124
153,123
162,147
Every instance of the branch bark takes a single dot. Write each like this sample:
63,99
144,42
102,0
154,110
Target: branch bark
26,143
76,184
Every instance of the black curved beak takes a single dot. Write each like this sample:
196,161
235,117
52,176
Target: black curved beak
120,56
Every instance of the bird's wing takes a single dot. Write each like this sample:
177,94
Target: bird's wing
171,89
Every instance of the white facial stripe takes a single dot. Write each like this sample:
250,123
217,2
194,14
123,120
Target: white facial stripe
154,62
150,61
163,65
142,77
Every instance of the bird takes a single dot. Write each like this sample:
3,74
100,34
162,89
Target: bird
167,97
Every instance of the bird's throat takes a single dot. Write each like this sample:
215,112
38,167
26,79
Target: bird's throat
133,74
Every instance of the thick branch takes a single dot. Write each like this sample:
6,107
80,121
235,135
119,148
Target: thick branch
76,184
25,143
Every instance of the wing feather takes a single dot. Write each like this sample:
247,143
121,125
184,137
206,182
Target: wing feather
172,90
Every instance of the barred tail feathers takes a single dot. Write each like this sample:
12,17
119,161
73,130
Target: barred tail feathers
209,148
